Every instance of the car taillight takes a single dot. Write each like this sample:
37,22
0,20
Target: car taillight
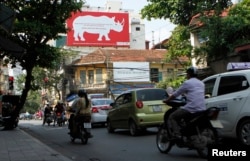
94,110
213,113
139,104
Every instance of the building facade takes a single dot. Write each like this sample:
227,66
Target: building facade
112,71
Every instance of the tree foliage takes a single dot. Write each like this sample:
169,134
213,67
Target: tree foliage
174,83
180,12
37,22
225,33
180,40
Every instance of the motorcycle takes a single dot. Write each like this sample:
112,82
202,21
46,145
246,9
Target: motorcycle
59,119
197,132
49,119
5,120
83,128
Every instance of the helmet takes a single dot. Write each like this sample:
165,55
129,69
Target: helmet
81,92
192,71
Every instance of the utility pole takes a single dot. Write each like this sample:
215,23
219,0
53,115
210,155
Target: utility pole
108,74
153,41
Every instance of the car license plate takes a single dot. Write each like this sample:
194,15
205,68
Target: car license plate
157,108
216,124
87,125
103,112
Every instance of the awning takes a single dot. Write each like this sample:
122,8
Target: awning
11,47
7,17
242,48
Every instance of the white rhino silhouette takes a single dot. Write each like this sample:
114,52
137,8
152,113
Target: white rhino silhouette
95,25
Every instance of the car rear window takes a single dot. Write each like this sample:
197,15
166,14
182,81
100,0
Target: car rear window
101,102
151,94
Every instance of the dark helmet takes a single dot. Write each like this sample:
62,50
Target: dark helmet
192,71
81,92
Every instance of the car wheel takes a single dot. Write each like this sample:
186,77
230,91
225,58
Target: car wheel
244,132
133,128
109,127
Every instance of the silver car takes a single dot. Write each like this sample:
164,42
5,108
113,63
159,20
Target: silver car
99,110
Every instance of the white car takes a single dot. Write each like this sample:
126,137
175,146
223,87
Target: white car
99,110
230,91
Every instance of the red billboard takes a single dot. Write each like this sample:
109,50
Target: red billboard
98,29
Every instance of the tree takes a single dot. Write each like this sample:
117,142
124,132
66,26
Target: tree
180,40
174,83
225,33
180,12
37,22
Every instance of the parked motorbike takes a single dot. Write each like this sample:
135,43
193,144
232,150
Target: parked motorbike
82,131
5,120
197,132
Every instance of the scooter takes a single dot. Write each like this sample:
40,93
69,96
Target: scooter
197,132
82,130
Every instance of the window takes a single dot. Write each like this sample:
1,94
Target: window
209,86
151,94
119,100
98,75
230,84
83,76
170,72
154,75
91,76
160,76
127,98
96,102
137,29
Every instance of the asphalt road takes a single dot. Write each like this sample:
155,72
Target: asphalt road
119,146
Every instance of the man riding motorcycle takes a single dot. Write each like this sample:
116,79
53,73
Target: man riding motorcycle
194,90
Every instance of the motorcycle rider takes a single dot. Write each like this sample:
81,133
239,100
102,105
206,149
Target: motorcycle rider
47,113
81,106
194,91
59,109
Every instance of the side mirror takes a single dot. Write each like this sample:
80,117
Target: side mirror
112,104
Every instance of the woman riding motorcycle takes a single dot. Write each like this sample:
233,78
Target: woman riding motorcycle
81,108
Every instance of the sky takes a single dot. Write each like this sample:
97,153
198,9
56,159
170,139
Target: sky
155,30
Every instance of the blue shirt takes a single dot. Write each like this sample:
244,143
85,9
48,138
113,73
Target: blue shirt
194,90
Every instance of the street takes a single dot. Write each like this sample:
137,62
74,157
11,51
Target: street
119,146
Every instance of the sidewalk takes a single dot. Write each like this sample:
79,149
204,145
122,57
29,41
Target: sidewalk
16,145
